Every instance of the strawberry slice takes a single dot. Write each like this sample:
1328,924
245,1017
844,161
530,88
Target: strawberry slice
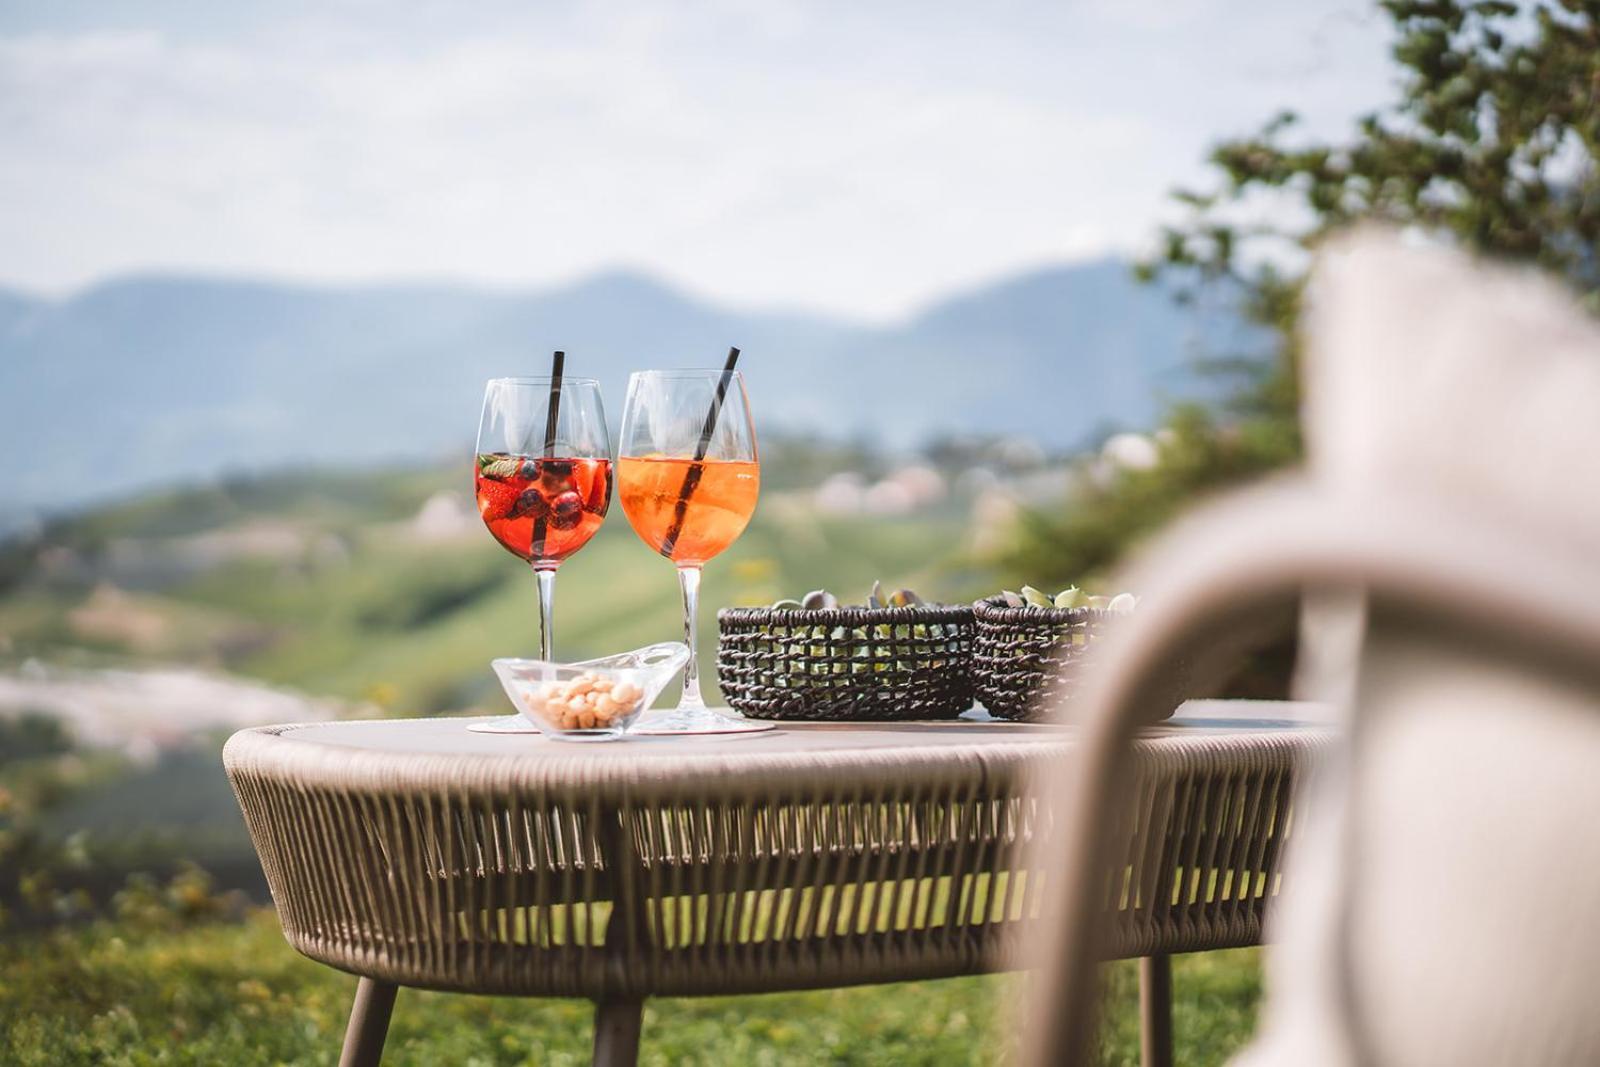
496,500
599,491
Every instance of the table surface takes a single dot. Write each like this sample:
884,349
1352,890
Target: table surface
1212,719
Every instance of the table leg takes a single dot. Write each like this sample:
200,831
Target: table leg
616,1032
1155,1011
369,1024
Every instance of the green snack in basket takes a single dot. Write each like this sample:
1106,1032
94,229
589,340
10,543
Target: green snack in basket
822,600
1036,598
1068,599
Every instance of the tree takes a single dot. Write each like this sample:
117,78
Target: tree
1493,144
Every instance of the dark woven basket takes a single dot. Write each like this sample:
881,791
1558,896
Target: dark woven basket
1025,660
846,663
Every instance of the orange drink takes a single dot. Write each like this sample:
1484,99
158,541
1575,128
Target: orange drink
688,510
688,477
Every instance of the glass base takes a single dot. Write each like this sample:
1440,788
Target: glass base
697,720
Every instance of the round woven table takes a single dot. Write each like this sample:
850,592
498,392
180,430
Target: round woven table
417,853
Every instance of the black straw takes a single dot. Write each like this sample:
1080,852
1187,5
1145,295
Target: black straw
552,413
716,405
691,477
555,403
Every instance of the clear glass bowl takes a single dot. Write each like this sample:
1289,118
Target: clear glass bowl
594,700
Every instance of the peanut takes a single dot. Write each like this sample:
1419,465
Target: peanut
586,702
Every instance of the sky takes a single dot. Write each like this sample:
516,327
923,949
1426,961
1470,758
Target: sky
859,159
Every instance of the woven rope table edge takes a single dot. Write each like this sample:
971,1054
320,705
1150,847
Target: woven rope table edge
273,751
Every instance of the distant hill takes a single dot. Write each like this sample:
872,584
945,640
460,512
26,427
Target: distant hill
14,306
153,379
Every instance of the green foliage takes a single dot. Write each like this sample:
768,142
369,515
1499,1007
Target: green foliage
30,735
189,896
334,500
1104,520
1493,144
447,585
204,993
86,832
31,861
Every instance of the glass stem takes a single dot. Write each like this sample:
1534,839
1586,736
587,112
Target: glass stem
547,603
689,581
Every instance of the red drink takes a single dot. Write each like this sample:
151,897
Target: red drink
542,509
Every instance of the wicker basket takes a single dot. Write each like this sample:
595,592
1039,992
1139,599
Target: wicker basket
846,663
1024,660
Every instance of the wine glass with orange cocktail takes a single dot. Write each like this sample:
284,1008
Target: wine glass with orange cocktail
688,477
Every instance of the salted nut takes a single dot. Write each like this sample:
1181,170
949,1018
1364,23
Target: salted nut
588,702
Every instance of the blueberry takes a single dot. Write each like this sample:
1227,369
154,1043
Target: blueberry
566,510
555,475
529,502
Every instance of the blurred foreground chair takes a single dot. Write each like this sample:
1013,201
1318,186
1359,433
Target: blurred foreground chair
1446,907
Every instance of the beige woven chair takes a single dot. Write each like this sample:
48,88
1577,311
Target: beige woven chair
1446,907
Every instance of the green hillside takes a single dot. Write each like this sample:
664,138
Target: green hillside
325,583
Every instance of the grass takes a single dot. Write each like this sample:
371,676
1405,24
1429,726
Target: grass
236,994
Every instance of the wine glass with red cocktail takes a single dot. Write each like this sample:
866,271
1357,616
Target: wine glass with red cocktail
543,474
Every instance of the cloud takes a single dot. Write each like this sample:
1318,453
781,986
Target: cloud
852,157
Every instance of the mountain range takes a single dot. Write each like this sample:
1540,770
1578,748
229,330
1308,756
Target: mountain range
151,380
